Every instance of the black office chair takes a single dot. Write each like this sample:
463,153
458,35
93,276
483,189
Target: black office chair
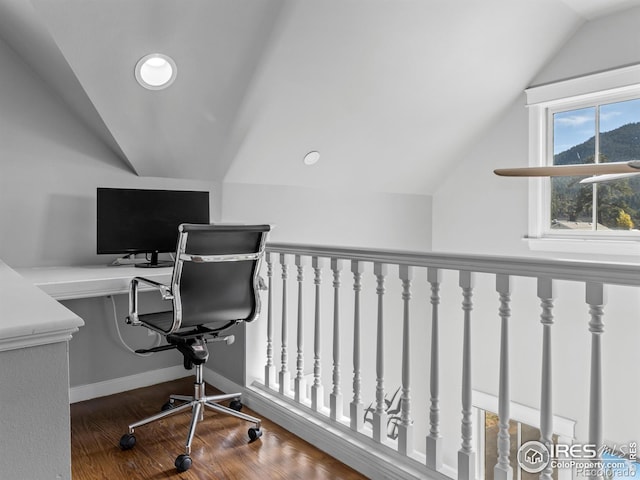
214,286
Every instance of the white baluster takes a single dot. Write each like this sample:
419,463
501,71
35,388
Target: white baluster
357,409
405,428
380,414
299,383
335,398
503,470
434,440
317,392
269,368
545,293
284,377
595,297
466,455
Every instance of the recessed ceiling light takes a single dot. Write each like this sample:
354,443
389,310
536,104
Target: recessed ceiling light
311,158
155,71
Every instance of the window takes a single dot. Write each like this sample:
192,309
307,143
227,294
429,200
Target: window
596,134
519,434
594,119
523,426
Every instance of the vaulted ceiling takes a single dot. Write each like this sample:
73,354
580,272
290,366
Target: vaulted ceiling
389,92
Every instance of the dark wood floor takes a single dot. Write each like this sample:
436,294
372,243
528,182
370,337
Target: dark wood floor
220,449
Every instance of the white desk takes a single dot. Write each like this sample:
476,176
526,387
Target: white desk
64,283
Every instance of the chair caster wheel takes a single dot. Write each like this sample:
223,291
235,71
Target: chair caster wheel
183,463
255,433
235,405
168,406
127,441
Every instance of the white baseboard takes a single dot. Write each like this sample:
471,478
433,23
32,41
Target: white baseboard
222,383
354,449
117,385
337,440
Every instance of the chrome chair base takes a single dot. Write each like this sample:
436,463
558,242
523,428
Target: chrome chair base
197,403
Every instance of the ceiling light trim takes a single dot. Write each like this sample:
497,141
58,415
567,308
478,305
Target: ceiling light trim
156,71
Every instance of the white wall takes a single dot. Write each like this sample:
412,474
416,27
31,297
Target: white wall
602,44
475,211
333,216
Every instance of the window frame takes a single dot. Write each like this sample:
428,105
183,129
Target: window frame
543,102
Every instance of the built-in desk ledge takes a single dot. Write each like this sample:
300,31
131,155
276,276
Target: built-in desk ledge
87,281
28,316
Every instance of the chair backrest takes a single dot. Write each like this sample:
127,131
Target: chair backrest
215,274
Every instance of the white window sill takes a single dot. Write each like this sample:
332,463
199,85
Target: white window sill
584,245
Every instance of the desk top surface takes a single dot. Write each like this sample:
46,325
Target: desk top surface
85,281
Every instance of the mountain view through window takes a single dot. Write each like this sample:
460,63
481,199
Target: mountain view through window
602,133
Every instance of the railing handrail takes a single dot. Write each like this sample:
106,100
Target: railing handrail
615,273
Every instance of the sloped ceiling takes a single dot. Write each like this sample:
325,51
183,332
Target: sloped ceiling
389,92
180,131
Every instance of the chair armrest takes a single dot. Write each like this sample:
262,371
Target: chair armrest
164,290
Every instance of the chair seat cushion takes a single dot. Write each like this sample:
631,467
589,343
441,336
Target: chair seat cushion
164,321
160,320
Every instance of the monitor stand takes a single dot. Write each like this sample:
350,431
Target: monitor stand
154,263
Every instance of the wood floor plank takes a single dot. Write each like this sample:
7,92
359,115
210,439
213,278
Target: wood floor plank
220,448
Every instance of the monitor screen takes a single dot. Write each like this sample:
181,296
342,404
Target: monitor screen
145,221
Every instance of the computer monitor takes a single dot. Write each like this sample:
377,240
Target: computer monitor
146,221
